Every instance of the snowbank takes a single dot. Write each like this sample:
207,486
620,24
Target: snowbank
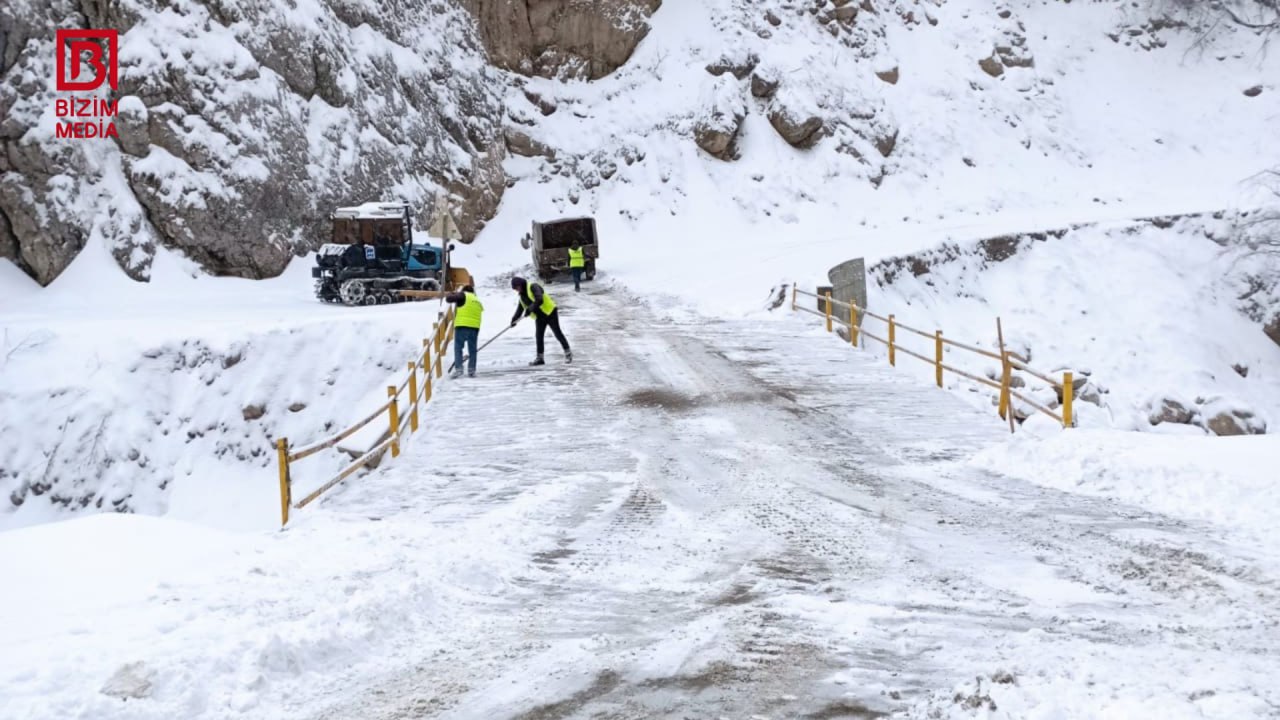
1228,481
167,398
1147,312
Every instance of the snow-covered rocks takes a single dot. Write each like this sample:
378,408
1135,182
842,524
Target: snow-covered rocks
131,682
241,126
795,114
723,109
1171,411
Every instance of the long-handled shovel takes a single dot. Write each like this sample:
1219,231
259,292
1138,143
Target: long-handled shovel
485,345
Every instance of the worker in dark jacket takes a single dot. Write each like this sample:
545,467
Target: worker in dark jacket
533,300
466,323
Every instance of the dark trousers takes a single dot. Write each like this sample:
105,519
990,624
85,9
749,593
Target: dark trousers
542,321
577,277
468,337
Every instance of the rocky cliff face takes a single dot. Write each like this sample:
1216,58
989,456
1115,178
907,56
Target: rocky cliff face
241,124
562,38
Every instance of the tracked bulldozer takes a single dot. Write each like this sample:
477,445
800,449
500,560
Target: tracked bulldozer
374,259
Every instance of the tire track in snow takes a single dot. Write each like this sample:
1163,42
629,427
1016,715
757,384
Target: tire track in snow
708,524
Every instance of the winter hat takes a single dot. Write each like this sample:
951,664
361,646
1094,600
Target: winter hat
517,283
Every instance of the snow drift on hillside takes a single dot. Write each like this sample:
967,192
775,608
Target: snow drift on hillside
118,400
1149,313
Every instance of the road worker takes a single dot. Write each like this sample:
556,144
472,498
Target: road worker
533,300
466,323
577,264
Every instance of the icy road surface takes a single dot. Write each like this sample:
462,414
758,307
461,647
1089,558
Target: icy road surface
697,519
706,518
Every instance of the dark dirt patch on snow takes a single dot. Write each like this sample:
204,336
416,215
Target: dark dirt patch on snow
606,682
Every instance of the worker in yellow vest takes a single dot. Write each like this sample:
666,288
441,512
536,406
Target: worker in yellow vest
533,300
577,264
466,323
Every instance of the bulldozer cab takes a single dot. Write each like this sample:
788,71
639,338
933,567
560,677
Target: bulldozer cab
382,225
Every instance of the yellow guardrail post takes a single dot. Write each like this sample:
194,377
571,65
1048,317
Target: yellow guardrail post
436,339
892,336
282,452
853,325
937,343
1006,376
828,305
394,410
426,370
1068,390
794,291
413,396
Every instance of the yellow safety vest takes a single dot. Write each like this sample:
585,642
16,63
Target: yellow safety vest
469,312
577,258
547,303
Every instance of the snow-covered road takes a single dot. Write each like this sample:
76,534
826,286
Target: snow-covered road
697,518
706,518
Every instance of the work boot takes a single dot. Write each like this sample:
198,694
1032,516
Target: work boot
471,373
538,361
568,356
455,374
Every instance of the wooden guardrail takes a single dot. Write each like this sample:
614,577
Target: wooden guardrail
419,394
851,316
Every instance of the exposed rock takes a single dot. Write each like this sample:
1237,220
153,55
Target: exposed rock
129,682
554,38
1171,411
1236,422
1241,370
1090,393
210,154
132,123
545,106
253,412
795,119
1272,328
801,132
772,19
890,76
992,66
887,142
520,143
723,109
1016,381
740,66
1254,91
764,83
297,407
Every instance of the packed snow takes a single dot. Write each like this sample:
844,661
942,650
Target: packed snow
718,509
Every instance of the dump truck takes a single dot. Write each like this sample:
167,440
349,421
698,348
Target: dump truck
550,242
374,259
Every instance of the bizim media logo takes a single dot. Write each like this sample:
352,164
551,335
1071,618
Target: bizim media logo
77,51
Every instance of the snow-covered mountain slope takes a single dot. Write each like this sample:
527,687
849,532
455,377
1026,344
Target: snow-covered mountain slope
1003,118
1095,129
